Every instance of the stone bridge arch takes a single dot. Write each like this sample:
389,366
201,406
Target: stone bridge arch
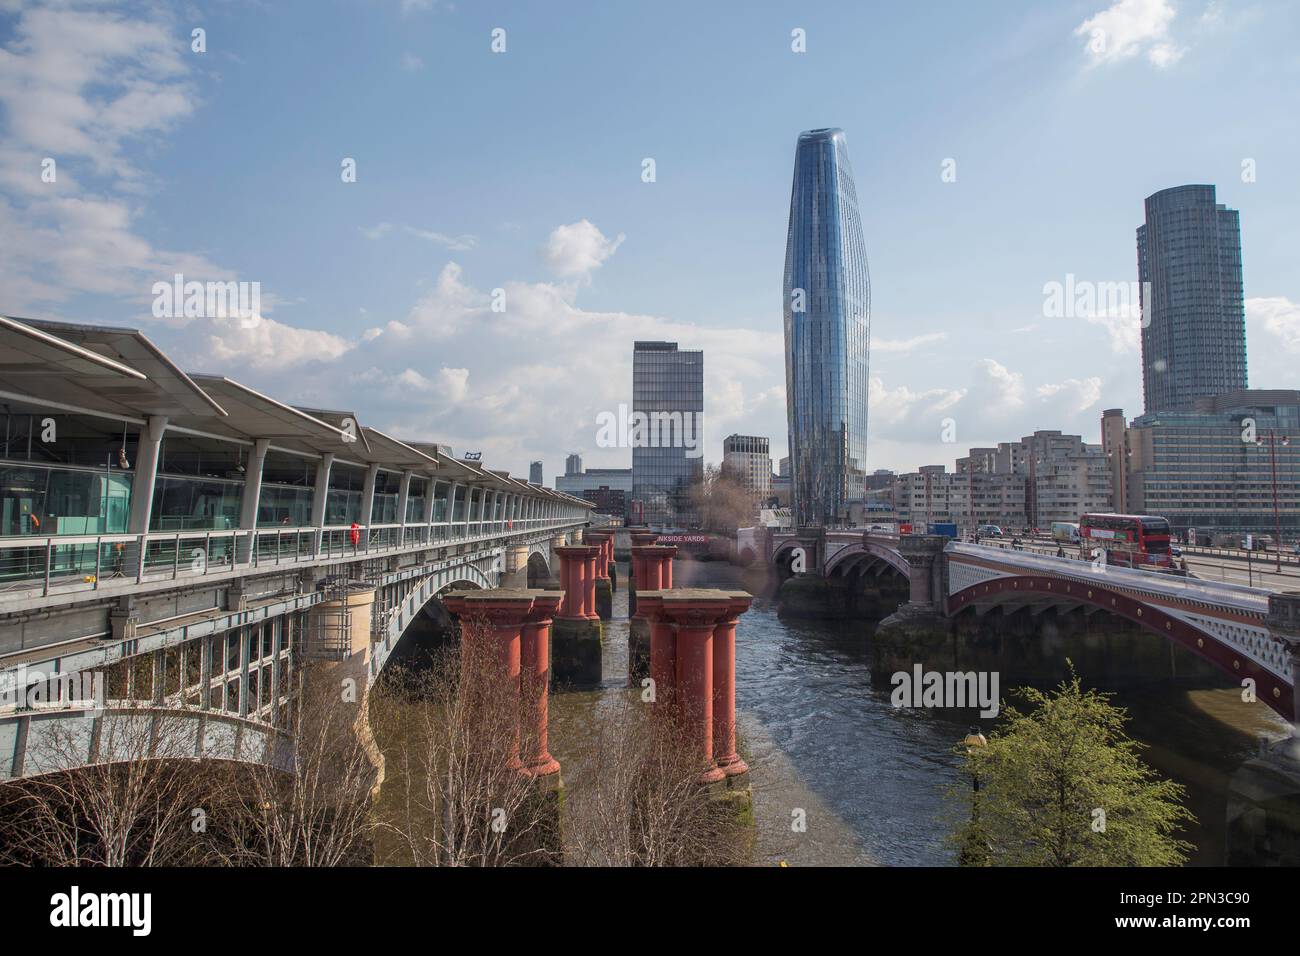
864,557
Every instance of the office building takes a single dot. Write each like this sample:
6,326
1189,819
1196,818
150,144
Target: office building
827,313
1217,467
747,459
667,432
1193,305
609,489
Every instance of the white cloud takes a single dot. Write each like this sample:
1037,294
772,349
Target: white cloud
457,243
576,250
1128,28
82,85
1278,317
235,345
907,345
454,383
410,62
1124,332
1073,395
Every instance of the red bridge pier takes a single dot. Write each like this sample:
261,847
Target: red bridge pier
652,570
693,667
603,541
577,631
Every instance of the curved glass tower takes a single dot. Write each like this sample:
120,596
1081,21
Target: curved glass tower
1194,310
827,332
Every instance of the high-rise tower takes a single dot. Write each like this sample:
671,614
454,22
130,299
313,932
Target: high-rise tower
827,332
667,426
1193,308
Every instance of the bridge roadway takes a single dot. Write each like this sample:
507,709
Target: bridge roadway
187,540
1246,632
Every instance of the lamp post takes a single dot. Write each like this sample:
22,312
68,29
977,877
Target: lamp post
1273,439
972,852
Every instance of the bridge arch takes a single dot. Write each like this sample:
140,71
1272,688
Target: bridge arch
69,739
1235,649
864,555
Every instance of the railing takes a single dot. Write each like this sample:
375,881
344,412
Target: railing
38,566
1211,592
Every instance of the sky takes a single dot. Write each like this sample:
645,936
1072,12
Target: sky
482,277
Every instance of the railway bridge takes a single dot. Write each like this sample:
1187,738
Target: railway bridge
174,548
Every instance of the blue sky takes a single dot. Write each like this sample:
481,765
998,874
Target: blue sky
521,171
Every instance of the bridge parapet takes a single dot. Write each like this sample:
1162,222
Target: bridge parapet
1284,625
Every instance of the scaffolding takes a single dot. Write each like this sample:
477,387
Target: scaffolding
329,637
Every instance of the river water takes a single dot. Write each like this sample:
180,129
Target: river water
824,745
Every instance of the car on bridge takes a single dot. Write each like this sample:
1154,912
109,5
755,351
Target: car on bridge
988,531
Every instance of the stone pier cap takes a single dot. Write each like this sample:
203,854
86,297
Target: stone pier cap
522,600
706,599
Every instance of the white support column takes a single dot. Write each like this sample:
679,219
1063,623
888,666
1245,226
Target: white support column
319,494
453,495
469,508
252,495
146,473
368,496
430,499
403,496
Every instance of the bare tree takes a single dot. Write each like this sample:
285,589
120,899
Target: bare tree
117,790
319,812
456,793
641,802
723,502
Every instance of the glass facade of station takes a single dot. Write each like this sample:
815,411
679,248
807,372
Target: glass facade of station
827,309
65,474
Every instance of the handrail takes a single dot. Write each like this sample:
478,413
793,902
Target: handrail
70,563
1236,595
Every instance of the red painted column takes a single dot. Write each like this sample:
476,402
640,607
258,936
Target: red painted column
579,600
589,575
503,612
535,654
663,652
696,618
724,686
455,604
603,541
638,570
645,569
666,566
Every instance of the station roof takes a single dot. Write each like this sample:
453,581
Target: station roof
95,369
118,373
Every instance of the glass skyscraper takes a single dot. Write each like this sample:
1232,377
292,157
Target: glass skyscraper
1194,317
668,403
827,332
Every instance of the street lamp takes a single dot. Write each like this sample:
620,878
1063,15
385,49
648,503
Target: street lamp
1273,439
974,849
973,742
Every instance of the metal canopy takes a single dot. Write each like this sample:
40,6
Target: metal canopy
254,415
119,373
103,369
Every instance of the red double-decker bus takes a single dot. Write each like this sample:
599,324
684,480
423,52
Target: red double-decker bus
1129,540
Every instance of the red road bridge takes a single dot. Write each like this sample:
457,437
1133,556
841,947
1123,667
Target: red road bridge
1244,632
